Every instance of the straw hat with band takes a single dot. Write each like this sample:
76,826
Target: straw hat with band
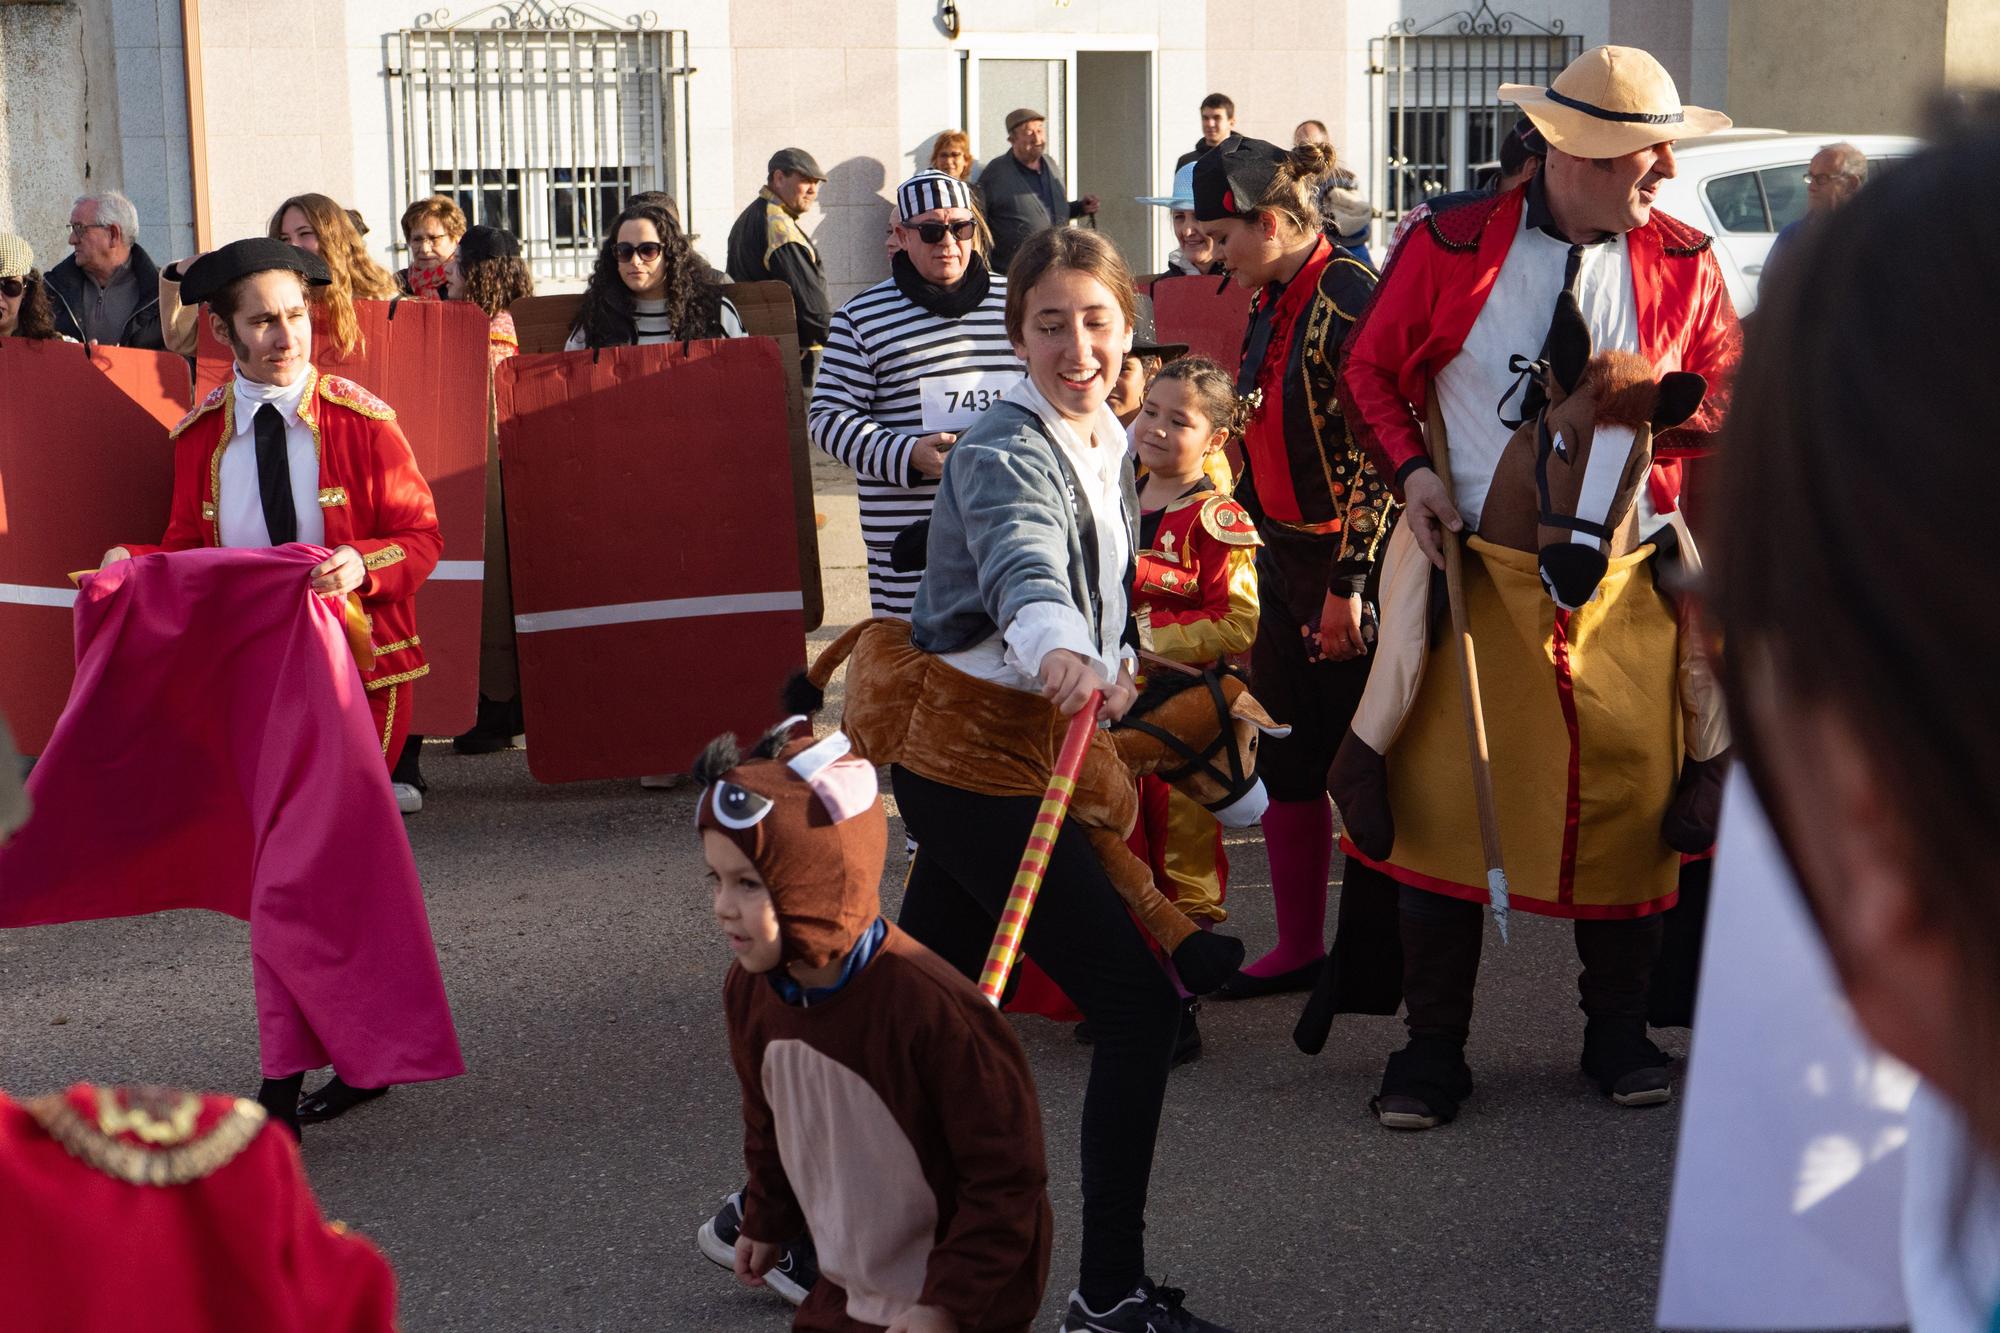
1609,101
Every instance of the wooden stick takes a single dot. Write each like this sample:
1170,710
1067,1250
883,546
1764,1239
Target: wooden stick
1035,859
1468,680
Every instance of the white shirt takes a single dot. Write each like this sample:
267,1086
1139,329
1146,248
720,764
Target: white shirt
1515,322
239,505
1014,656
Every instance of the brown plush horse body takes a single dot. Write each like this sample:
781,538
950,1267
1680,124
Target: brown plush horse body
905,706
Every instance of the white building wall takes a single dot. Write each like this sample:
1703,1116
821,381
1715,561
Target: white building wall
152,124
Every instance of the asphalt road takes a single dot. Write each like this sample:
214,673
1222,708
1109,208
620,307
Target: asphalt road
558,1185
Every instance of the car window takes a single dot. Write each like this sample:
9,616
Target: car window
1785,193
1738,202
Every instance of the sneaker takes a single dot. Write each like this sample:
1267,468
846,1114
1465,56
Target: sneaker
1149,1309
408,799
1625,1064
792,1277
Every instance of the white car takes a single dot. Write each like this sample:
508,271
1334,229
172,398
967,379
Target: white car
1743,187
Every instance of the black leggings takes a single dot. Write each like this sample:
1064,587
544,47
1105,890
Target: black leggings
968,847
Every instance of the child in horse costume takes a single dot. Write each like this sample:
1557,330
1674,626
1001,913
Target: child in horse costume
1606,736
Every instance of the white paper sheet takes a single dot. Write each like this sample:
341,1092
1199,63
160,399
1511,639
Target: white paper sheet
1788,1187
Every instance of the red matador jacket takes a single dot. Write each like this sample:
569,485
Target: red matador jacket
371,496
175,1212
1438,281
1194,594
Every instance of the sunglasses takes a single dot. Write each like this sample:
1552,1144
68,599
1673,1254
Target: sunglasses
11,288
933,232
645,251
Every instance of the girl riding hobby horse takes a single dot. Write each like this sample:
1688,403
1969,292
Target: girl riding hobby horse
906,707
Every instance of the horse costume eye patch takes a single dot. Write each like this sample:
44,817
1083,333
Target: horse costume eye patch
737,807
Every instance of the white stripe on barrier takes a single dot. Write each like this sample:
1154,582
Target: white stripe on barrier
23,594
472,571
679,608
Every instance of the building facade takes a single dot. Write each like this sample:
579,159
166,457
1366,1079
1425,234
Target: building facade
542,116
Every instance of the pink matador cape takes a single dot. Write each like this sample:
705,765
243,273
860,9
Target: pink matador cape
217,752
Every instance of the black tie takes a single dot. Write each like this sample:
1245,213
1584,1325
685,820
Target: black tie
1258,341
274,477
1527,381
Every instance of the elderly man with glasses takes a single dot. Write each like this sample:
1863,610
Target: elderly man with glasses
908,364
108,290
1835,174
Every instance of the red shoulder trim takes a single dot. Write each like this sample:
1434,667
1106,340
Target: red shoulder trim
1458,228
1677,238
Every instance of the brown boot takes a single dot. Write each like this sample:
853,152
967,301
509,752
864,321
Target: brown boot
1358,781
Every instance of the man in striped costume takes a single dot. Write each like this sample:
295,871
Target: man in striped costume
908,364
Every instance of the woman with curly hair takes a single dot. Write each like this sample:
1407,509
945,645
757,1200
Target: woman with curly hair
650,286
316,223
487,270
24,299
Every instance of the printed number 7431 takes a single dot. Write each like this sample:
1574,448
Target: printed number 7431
970,400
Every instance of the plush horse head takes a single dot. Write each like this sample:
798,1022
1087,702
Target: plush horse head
1200,734
1565,484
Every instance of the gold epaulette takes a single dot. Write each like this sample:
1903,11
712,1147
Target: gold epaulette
206,405
355,398
171,1148
1229,522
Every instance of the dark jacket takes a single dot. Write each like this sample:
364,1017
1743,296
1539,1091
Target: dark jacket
66,294
768,245
1011,197
1193,154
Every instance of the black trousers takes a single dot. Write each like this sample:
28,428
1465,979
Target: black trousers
1316,699
968,847
1441,942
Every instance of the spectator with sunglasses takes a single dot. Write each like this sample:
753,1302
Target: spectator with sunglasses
909,363
649,286
24,300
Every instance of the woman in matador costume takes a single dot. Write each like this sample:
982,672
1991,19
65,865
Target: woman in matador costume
1460,333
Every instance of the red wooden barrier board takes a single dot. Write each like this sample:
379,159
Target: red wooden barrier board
652,529
84,466
1191,310
426,359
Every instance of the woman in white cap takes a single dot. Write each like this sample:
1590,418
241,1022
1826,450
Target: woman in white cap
1468,301
24,300
1197,255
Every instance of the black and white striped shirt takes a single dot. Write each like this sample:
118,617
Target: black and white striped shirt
868,409
651,325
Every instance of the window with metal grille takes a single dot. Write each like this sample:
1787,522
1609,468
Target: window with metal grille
540,118
1438,119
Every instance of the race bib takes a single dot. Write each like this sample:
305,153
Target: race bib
950,402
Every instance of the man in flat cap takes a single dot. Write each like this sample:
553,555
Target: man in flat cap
768,245
1461,326
1021,190
281,453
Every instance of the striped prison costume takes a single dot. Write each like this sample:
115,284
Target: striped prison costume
867,409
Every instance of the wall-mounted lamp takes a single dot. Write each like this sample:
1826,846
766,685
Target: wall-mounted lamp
947,18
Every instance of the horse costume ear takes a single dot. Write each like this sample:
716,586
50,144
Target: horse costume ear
1245,708
1569,343
1681,392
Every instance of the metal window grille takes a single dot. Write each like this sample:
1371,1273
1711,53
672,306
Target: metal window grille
1437,119
540,118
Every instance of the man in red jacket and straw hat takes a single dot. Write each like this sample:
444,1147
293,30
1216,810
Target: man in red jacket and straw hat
1466,302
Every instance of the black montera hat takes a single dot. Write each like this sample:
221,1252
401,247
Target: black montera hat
1231,177
208,275
483,243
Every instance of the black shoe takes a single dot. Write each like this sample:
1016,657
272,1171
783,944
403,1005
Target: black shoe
499,726
280,1099
792,1276
1149,1309
1423,1085
335,1099
1625,1064
1188,1046
1207,959
1243,986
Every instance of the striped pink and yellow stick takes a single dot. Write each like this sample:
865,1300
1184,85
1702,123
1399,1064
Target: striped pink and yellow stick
1035,860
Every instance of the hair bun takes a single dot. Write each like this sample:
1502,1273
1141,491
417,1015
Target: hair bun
1312,159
